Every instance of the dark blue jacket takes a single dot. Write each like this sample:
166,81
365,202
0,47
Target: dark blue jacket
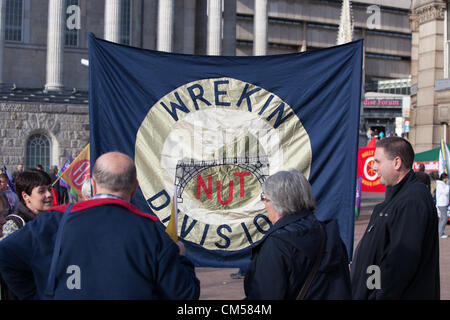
119,252
283,259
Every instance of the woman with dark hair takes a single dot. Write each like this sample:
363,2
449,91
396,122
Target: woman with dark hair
33,187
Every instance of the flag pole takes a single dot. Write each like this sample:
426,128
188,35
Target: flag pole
59,176
175,200
445,132
54,182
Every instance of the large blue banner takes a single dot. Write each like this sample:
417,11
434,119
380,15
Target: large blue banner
213,128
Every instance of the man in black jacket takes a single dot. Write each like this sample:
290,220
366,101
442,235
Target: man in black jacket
398,256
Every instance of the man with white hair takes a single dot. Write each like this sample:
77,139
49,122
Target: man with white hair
104,248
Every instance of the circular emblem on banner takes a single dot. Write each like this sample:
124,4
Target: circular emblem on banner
369,173
215,141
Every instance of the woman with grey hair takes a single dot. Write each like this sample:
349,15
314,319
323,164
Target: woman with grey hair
299,257
289,192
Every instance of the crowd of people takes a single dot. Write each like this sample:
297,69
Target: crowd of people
106,248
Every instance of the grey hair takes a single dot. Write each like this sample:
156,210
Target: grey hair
289,191
117,182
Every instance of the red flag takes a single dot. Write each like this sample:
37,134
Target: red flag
78,171
370,181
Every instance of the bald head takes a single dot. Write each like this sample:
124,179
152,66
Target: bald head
115,173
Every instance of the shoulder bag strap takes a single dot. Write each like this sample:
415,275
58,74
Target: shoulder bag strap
50,289
315,267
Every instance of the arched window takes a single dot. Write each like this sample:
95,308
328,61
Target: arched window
38,152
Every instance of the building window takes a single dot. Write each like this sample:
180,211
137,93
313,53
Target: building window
38,152
125,22
389,34
71,35
13,20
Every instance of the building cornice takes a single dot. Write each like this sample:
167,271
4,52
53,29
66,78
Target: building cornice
426,13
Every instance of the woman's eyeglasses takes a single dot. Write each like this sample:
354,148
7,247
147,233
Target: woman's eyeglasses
263,198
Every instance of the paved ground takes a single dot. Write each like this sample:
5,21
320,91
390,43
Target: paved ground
216,284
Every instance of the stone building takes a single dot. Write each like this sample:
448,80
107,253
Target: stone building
38,128
44,101
430,90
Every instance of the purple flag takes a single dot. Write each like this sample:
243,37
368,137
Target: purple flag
61,171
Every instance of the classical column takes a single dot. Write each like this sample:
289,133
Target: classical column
414,69
214,39
165,25
2,36
112,20
260,26
189,27
427,20
55,45
229,28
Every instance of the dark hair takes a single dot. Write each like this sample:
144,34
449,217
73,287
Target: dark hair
29,179
422,167
443,176
4,175
398,147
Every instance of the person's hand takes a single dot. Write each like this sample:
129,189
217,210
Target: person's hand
181,247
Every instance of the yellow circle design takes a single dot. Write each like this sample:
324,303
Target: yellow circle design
216,140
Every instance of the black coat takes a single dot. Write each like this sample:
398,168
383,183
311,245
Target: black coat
283,259
402,240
